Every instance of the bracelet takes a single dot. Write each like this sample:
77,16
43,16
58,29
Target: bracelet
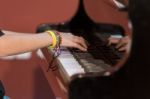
56,48
58,38
54,39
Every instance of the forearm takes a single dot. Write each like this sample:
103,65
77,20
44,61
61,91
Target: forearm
19,43
14,43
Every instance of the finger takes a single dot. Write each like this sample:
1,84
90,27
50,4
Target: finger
121,43
113,40
80,41
123,48
76,45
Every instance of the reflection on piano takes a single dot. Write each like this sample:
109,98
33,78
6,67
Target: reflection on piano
122,5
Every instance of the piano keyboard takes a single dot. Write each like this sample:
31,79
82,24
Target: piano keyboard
97,59
69,64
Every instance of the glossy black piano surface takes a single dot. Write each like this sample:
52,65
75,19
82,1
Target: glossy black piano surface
99,56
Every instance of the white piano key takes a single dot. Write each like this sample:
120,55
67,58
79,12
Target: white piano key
69,63
72,72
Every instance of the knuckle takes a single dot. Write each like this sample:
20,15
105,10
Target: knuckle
75,38
75,45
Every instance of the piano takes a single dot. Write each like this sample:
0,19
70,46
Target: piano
74,65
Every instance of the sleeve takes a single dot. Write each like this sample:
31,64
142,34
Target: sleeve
1,33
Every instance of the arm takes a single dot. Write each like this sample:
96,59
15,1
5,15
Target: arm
15,43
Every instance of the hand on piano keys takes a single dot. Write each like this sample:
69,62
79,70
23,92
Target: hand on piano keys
121,43
70,40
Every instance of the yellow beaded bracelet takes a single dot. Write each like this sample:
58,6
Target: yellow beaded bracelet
54,38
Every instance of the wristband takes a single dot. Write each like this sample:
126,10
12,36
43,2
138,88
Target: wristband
54,38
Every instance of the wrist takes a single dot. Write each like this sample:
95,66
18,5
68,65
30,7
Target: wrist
56,38
48,39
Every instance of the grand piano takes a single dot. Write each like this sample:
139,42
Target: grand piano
77,74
